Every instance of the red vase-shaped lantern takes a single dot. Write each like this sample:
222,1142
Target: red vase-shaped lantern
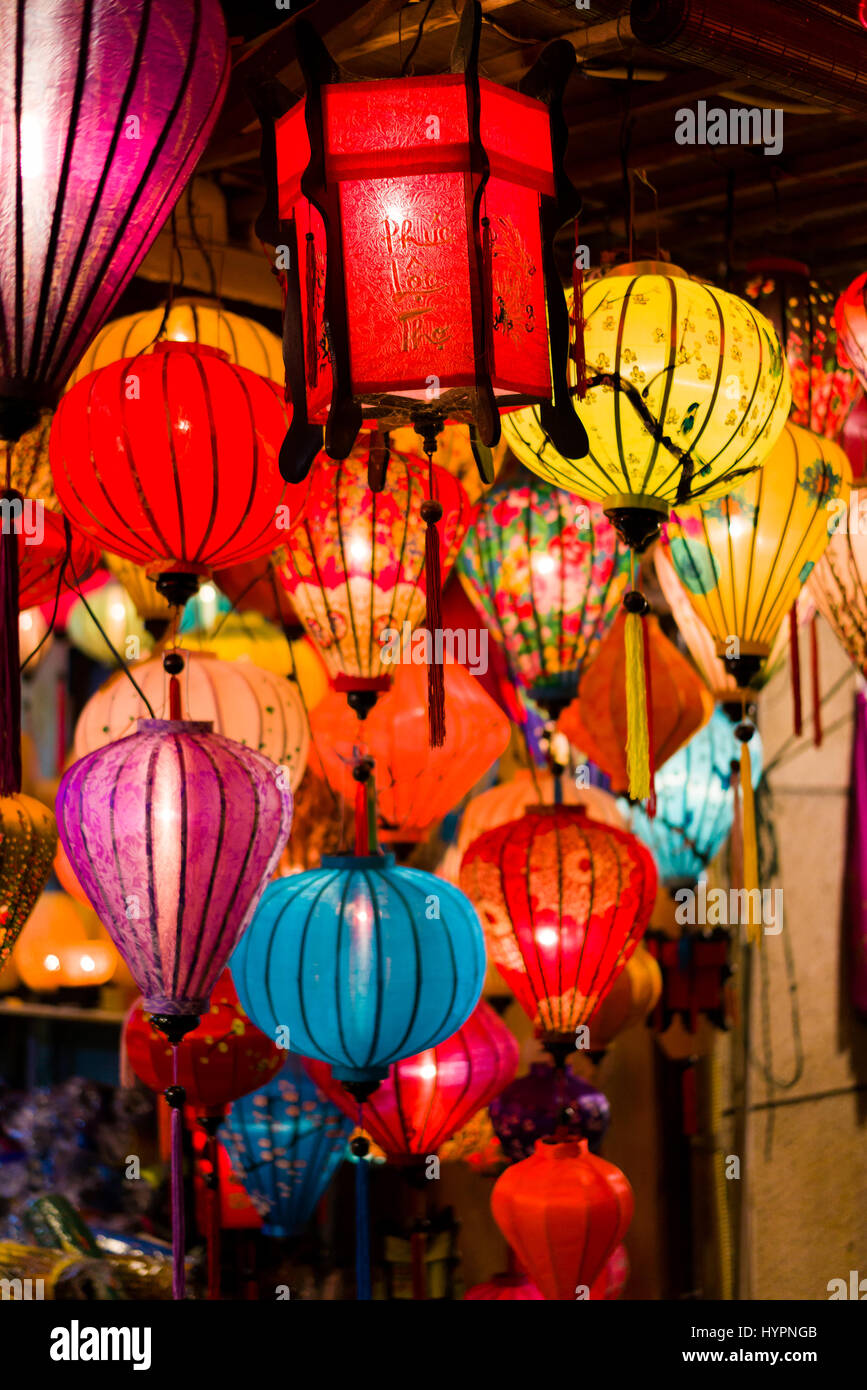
564,1212
564,901
418,214
427,1098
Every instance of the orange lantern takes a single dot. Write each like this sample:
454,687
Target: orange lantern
596,722
632,997
415,785
564,1212
55,930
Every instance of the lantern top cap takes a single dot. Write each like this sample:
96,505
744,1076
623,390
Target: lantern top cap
649,267
174,726
358,861
552,1147
185,346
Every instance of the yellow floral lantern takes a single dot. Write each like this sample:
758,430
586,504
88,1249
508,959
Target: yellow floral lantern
247,343
687,390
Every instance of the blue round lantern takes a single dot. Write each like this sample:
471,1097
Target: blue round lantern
363,962
694,802
286,1142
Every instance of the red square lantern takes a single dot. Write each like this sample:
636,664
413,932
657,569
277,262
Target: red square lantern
418,215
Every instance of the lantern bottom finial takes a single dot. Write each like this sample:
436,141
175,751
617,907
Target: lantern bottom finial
177,586
637,525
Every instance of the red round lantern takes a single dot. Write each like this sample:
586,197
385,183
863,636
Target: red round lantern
564,1212
222,1059
427,1098
170,460
564,901
40,557
415,785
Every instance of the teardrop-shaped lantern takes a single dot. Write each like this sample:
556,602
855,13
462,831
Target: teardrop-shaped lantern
546,572
427,1098
563,1211
172,833
564,901
596,722
687,391
363,961
744,559
546,1099
103,117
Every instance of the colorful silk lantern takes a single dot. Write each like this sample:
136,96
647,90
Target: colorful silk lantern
55,925
850,322
839,581
854,440
355,567
700,643
286,1143
508,801
172,833
415,785
545,1100
427,1098
856,861
243,340
695,802
744,559
418,215
170,459
564,901
597,721
222,1059
802,313
43,554
251,706
28,838
149,604
634,994
104,117
687,391
564,1212
546,573
249,637
363,961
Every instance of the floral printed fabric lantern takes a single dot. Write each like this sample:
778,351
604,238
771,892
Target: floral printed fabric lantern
28,839
418,215
364,962
839,581
546,573
286,1143
533,1107
597,721
172,833
687,391
564,901
695,802
744,559
103,118
802,312
222,1059
427,1098
170,459
415,785
244,703
563,1211
508,801
850,321
244,341
355,560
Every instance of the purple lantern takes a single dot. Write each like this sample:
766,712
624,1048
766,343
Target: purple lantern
104,111
546,1099
173,833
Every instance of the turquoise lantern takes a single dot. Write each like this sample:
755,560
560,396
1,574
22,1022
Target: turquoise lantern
363,962
695,802
286,1142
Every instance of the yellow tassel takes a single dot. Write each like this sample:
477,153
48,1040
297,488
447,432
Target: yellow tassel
750,847
637,735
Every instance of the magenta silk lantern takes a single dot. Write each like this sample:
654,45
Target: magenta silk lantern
105,108
173,833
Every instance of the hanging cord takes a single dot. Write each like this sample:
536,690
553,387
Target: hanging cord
362,774
200,245
210,1124
744,733
48,631
417,40
75,586
814,681
625,145
579,322
730,227
639,753
175,251
360,1147
431,511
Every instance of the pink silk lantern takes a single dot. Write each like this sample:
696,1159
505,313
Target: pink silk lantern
173,833
104,111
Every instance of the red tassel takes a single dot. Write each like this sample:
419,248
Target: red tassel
311,353
10,664
578,322
795,658
814,671
436,691
648,696
175,698
361,823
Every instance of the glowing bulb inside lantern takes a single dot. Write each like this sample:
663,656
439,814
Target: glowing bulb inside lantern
546,936
543,564
32,147
360,550
118,612
25,621
52,962
207,593
428,1071
87,964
